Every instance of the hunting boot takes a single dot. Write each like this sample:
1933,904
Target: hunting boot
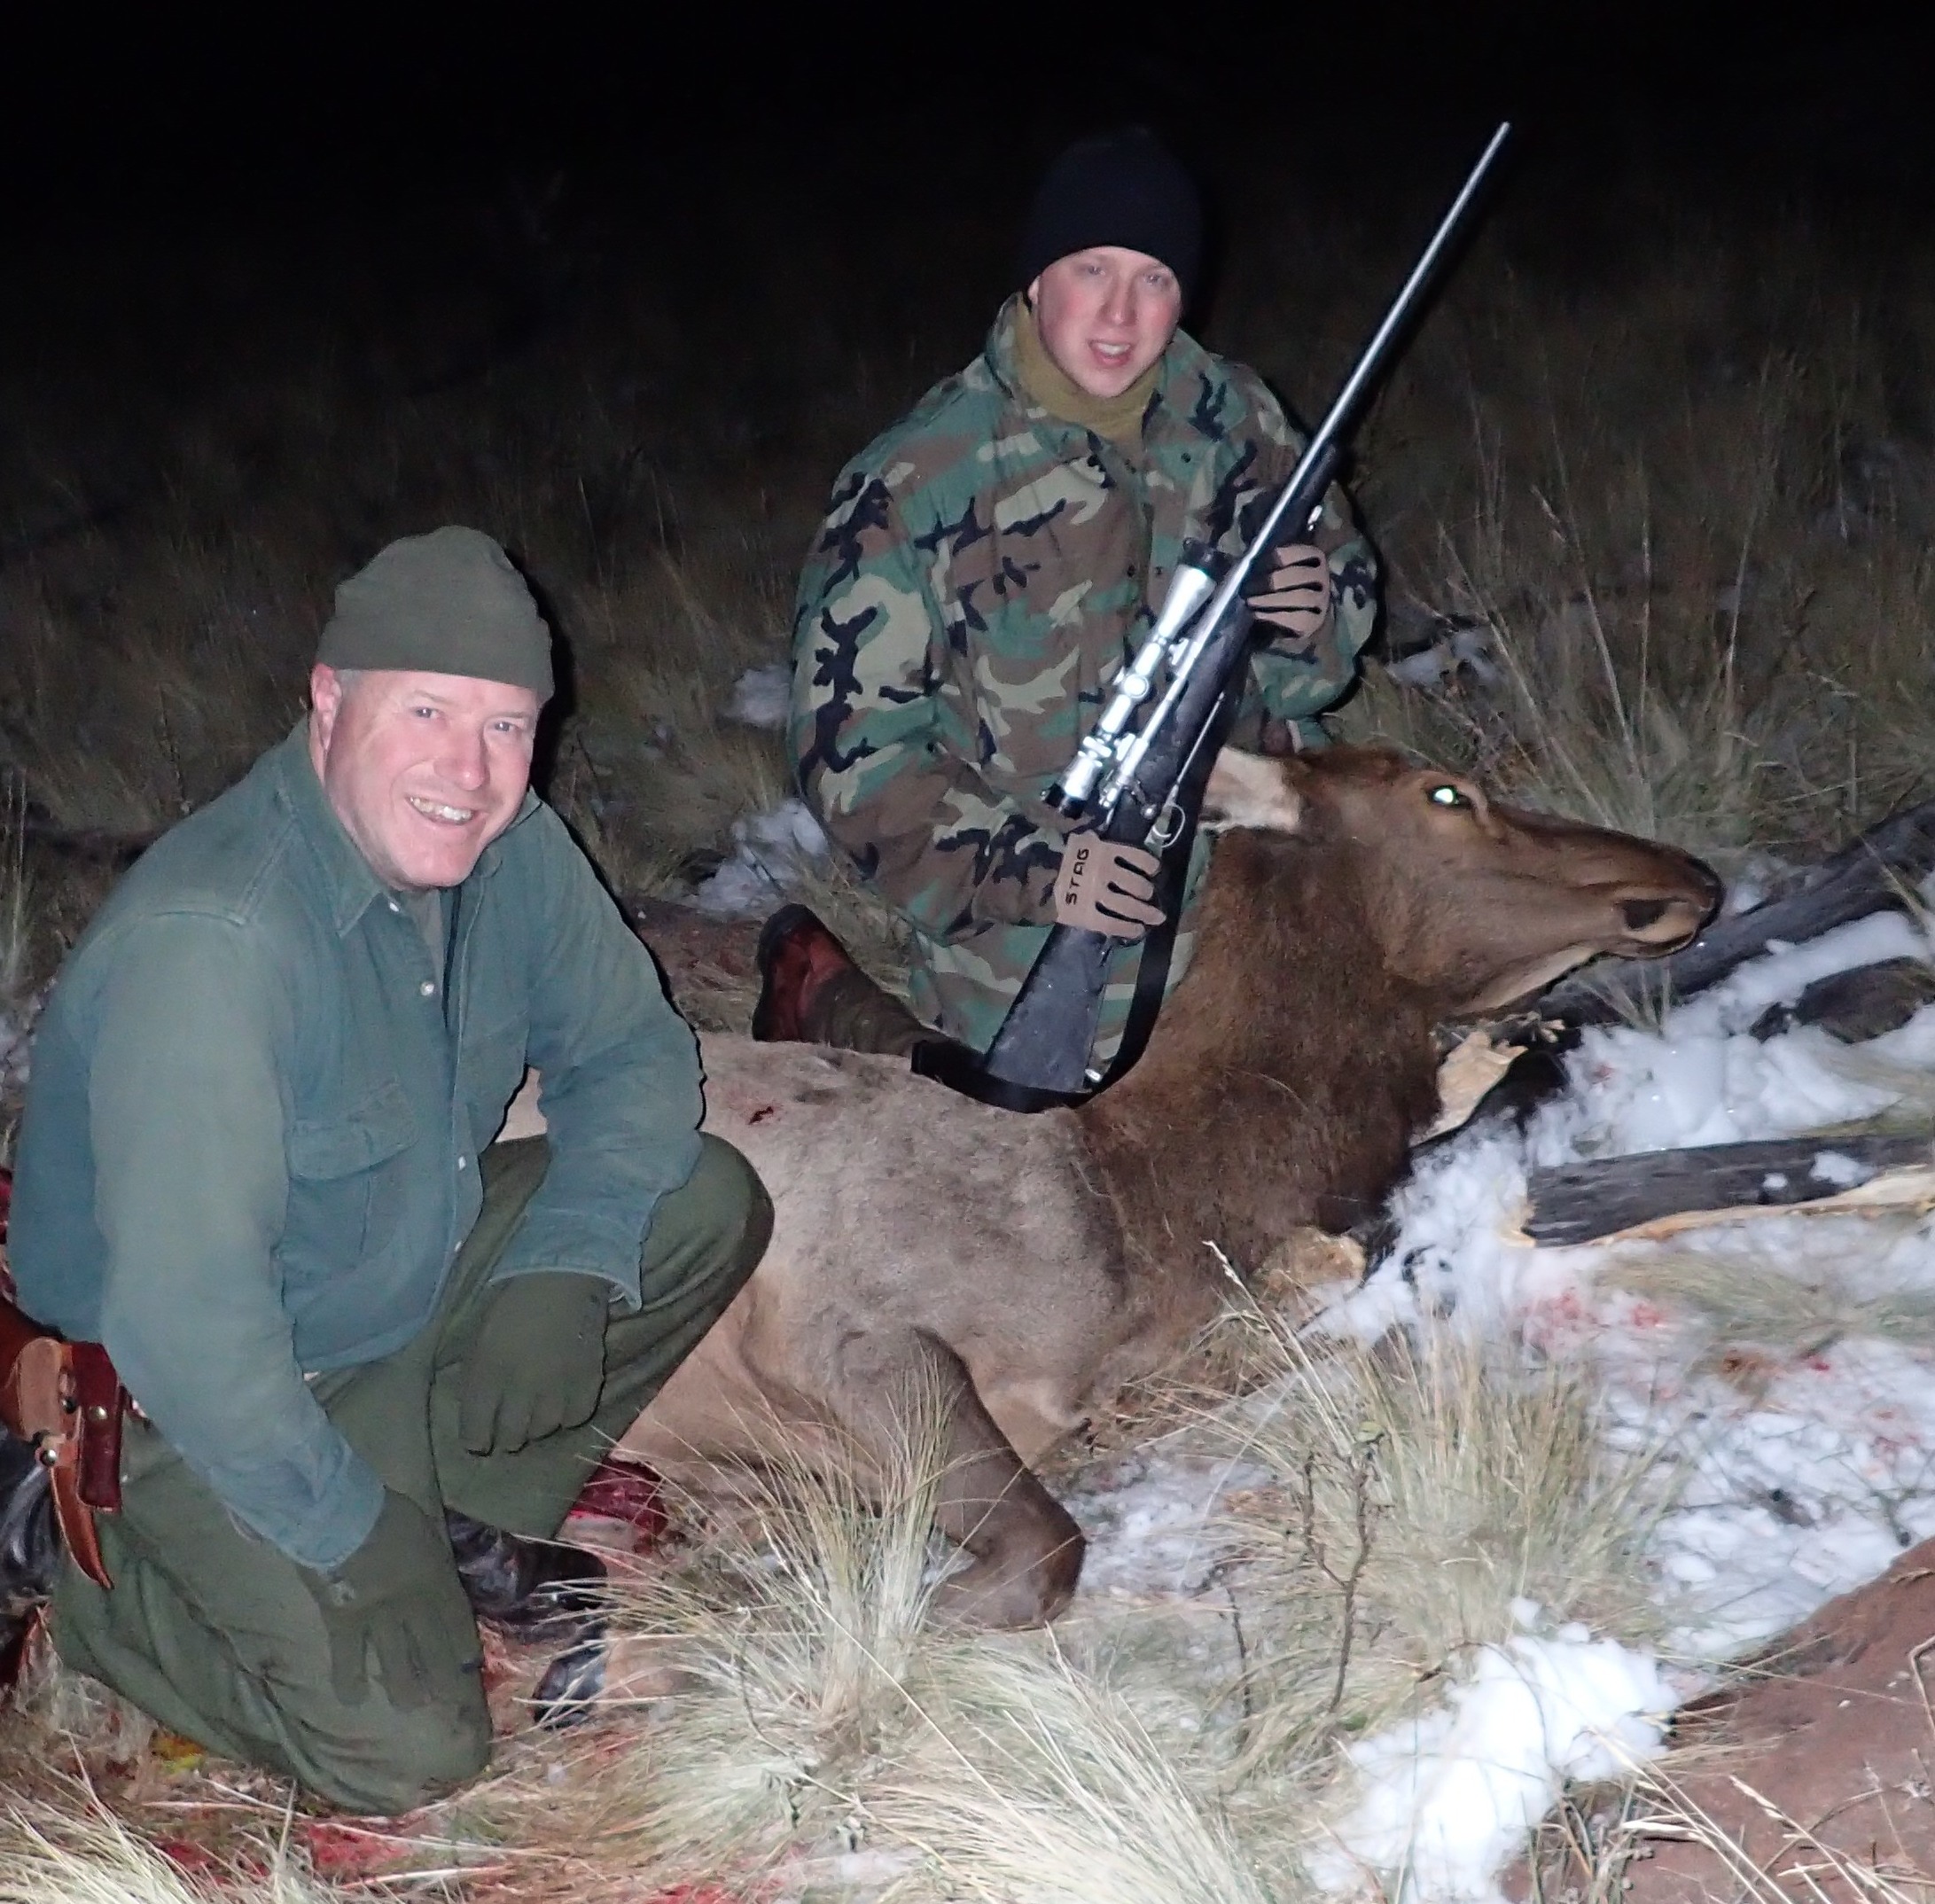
533,1589
811,992
29,1552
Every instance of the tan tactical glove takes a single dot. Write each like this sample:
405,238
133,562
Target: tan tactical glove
1295,595
1106,888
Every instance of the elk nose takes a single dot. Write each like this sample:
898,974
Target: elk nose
1662,922
1669,919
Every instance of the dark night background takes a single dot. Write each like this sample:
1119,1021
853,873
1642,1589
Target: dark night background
628,295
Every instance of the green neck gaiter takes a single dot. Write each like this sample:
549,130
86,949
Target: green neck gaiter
1043,381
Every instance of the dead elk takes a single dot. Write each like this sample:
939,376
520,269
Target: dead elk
1033,1266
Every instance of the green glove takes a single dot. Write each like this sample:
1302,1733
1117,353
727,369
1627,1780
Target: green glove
399,1596
538,1362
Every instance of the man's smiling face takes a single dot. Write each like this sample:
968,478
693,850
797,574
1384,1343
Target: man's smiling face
423,770
1105,314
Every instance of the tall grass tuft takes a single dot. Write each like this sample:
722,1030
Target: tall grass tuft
1038,1782
795,1709
772,1674
86,1855
1427,1495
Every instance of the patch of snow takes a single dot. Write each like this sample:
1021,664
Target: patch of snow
1146,1516
771,851
762,697
1471,646
1784,1480
1446,1799
1838,1168
1802,1486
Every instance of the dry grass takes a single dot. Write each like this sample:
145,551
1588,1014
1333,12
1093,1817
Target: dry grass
1683,514
1580,1852
1740,1296
1043,1783
1423,1492
81,1853
803,1726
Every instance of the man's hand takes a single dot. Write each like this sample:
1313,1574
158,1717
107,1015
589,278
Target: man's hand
1295,595
538,1362
1105,888
399,1597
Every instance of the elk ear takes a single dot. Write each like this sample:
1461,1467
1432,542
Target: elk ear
1246,790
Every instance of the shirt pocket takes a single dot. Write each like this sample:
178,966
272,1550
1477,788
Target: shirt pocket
337,1169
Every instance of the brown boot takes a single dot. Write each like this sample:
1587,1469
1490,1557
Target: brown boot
797,955
812,992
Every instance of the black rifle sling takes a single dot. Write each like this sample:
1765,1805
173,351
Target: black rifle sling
958,1066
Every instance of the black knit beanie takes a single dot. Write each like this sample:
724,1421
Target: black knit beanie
448,602
1123,188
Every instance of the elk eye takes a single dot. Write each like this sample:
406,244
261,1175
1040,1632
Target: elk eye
1447,796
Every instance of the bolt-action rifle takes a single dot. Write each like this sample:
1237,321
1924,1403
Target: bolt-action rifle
1141,784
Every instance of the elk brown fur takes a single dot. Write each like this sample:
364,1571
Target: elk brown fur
1029,1268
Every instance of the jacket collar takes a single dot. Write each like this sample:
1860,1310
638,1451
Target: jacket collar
1189,374
349,882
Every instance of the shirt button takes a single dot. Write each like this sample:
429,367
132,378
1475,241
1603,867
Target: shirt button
462,1163
394,907
427,987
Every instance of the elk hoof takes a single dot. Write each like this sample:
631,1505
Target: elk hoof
572,1685
602,1672
1013,1588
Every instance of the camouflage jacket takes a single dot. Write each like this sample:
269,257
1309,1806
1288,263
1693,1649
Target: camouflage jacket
984,573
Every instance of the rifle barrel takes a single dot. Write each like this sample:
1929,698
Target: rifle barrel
1342,412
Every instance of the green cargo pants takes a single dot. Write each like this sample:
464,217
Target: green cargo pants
212,1631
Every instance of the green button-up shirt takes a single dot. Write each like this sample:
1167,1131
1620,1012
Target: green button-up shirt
250,1144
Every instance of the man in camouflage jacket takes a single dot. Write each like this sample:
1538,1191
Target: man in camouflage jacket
991,562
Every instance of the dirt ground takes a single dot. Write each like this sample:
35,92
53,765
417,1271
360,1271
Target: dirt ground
1827,1748
707,962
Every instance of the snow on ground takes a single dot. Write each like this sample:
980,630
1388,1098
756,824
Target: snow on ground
1787,1472
761,696
1447,1798
769,852
1146,1516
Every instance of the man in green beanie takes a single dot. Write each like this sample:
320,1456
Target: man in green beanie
376,1356
989,565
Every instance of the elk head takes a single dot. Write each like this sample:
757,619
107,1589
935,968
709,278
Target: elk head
1477,903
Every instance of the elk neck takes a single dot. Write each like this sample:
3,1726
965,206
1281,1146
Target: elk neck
1286,1074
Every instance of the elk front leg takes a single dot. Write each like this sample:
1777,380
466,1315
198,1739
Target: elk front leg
1023,1549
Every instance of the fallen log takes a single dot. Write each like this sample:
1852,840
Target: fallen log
1865,1001
1659,1191
1872,873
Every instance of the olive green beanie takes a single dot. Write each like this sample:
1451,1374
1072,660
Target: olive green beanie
448,602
